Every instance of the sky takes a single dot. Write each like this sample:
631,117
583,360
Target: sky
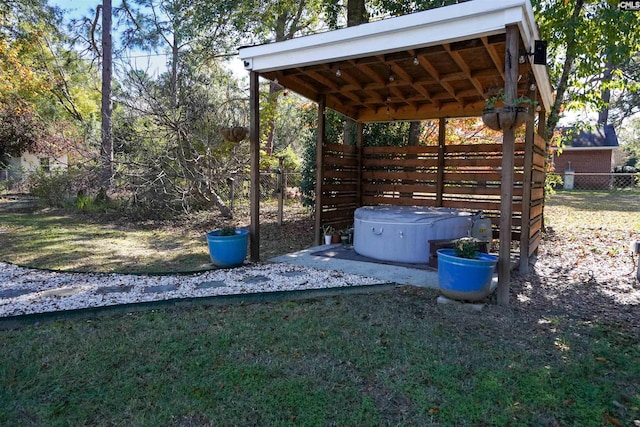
82,8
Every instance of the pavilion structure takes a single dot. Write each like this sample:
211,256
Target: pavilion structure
437,64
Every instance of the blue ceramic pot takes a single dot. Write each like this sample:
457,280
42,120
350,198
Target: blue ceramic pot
464,278
227,251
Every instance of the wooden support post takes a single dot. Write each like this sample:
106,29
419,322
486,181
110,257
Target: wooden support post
508,152
280,189
525,238
320,166
542,131
442,128
254,137
359,145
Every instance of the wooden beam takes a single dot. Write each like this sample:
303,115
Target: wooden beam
426,66
359,145
542,130
254,154
508,151
526,191
320,142
460,62
442,128
493,54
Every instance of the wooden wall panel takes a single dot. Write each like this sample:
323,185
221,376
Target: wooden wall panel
408,176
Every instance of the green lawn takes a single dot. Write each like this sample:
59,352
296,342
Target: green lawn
389,358
393,358
73,242
610,210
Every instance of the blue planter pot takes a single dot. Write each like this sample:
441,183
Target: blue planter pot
463,278
227,251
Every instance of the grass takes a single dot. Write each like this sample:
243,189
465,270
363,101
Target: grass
394,358
71,242
389,358
612,210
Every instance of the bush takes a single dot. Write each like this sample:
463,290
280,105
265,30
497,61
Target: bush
53,188
74,187
552,180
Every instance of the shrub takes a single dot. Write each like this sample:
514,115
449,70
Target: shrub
53,188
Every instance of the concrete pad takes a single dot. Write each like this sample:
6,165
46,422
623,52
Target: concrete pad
292,274
475,306
211,284
256,279
385,272
61,292
159,289
113,289
12,293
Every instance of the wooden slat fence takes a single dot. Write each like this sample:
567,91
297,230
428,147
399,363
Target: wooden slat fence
537,192
340,184
408,176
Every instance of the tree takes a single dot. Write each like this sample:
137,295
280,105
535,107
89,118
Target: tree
106,146
630,138
280,20
589,43
37,81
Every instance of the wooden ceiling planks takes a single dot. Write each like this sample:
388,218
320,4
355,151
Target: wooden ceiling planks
448,80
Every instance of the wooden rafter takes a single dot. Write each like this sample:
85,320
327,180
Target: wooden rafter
451,79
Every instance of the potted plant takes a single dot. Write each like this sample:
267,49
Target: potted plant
498,115
464,273
327,231
227,246
344,236
234,133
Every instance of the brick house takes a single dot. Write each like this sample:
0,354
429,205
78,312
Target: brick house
590,155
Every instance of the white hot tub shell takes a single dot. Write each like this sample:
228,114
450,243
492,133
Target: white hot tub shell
402,233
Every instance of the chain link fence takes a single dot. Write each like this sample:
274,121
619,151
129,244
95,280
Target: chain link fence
236,190
599,181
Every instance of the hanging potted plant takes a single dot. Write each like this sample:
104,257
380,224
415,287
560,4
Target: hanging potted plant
227,246
498,115
234,133
464,273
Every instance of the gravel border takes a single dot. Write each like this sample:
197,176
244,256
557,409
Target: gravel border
29,291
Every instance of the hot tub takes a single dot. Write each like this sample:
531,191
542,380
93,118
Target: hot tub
402,233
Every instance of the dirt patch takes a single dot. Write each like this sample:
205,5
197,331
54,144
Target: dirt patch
584,268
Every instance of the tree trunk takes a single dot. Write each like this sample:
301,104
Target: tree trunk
356,15
414,139
274,88
106,147
414,132
603,115
572,44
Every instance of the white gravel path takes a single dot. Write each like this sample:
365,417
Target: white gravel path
28,291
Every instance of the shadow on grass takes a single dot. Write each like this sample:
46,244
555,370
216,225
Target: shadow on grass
69,243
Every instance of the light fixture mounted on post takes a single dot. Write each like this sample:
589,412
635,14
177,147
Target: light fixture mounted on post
539,53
